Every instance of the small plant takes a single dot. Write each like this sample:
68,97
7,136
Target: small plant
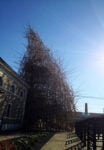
27,142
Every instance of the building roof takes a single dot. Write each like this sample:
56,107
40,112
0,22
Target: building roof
82,115
12,72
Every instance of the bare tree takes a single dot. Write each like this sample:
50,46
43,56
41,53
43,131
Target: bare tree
50,101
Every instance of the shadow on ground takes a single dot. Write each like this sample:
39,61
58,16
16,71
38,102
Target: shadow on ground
42,141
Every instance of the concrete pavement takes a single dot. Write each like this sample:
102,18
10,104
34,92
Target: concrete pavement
57,142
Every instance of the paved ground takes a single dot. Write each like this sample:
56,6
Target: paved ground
98,148
98,143
57,142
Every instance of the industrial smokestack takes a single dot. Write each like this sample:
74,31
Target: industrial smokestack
86,109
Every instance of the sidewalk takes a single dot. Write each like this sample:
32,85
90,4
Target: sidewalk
57,142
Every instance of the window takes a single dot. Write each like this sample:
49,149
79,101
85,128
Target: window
8,110
12,89
1,81
1,73
21,93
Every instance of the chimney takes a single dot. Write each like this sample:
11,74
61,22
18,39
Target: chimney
86,109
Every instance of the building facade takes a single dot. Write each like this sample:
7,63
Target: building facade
85,115
13,92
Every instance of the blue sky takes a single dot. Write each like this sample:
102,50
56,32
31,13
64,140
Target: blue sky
72,29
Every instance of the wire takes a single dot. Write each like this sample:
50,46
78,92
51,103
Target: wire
91,97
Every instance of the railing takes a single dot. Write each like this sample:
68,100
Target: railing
91,131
